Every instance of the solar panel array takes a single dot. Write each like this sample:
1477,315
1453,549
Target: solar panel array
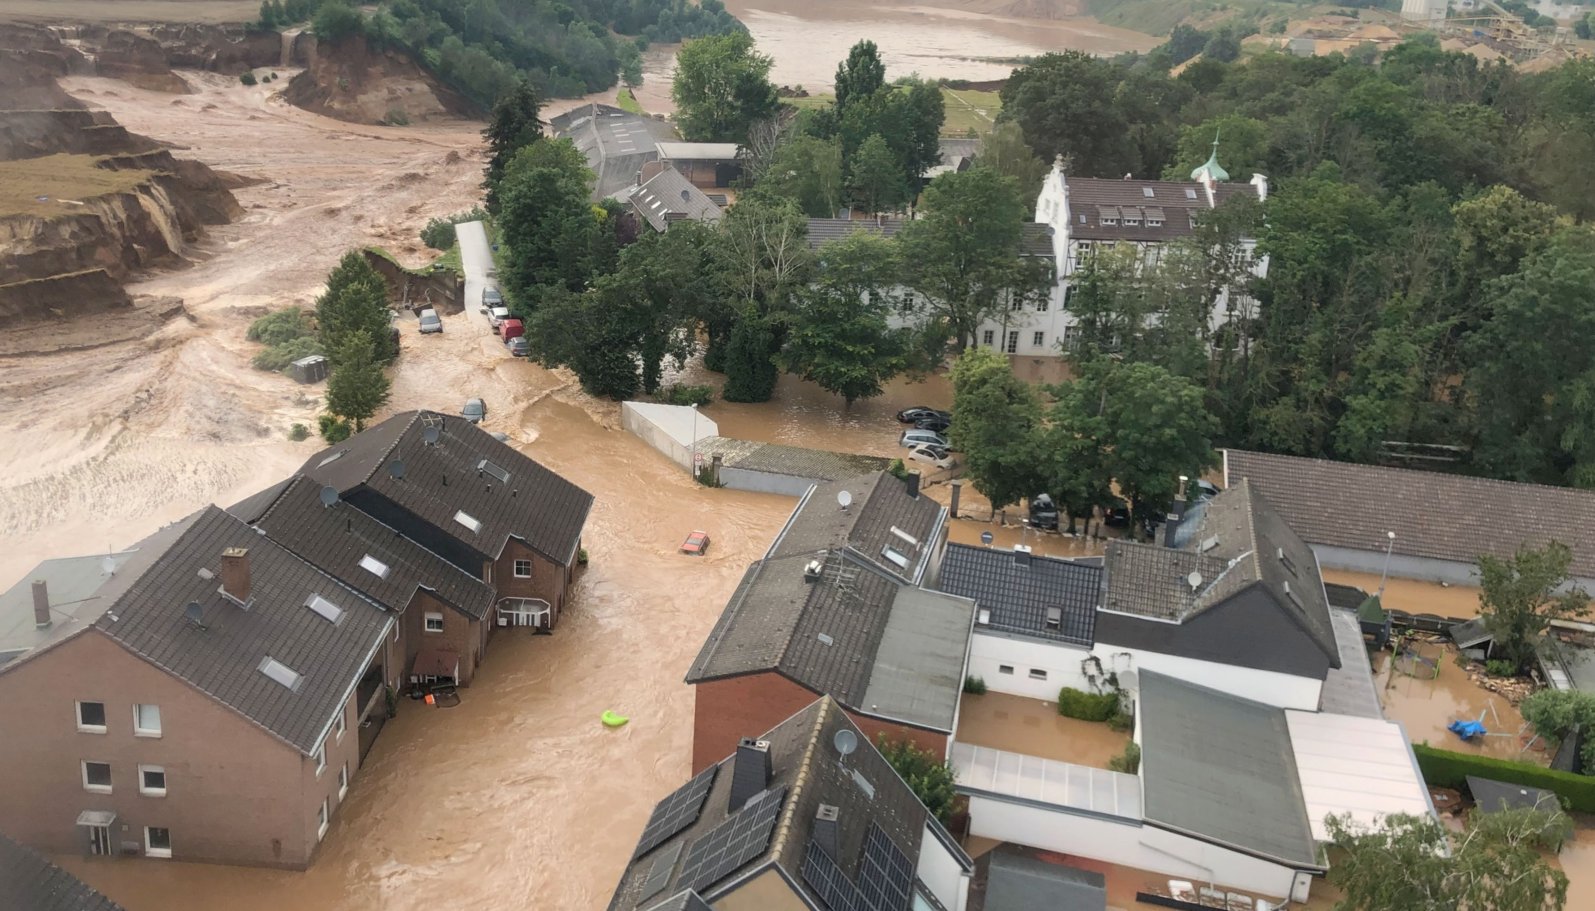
676,812
659,873
885,877
732,843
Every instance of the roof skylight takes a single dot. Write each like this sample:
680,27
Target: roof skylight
332,458
325,608
281,673
895,557
374,566
502,476
468,520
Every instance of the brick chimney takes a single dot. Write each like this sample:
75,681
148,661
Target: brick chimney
41,604
825,830
235,574
750,771
913,483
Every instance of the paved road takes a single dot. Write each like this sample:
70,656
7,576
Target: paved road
476,256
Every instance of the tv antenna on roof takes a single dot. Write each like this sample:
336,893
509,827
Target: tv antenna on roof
845,742
844,498
329,496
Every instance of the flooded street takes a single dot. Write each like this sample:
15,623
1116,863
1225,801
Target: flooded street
1033,727
1412,596
1426,705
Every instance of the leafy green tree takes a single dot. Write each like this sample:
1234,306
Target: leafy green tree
1184,43
1494,233
997,427
930,778
1005,151
336,20
268,15
807,170
1243,146
751,371
356,301
1066,105
1556,714
1074,464
722,88
554,236
1410,863
861,75
966,251
1519,597
875,181
357,386
839,333
1583,29
515,124
763,254
1389,384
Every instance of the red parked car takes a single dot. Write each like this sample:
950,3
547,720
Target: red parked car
696,544
511,328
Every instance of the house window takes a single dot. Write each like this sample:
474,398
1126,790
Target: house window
523,569
281,673
343,781
1043,304
1110,222
1013,341
97,777
1190,192
1131,221
1193,222
146,720
320,757
987,338
1037,673
91,717
152,780
1039,339
157,842
434,623
338,727
1154,222
321,821
1005,669
1068,331
1016,303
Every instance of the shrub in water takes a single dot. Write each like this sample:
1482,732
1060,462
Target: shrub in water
247,79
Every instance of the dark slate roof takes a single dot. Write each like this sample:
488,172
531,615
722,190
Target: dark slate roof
805,765
1222,768
802,462
1016,879
1495,796
336,539
1440,516
28,882
1018,595
615,143
879,503
1090,199
1231,543
223,659
660,200
1035,238
536,505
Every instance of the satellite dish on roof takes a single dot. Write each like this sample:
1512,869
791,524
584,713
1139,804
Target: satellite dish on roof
431,434
396,469
844,498
329,496
108,565
987,537
195,614
845,742
1194,580
686,196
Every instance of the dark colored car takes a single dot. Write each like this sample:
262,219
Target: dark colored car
491,298
474,411
939,425
921,413
1043,512
519,346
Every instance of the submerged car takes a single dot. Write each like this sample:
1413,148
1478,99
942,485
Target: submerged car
921,413
696,544
431,322
474,411
932,455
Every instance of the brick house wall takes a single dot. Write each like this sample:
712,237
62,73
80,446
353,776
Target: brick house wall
729,709
548,580
341,752
461,634
234,793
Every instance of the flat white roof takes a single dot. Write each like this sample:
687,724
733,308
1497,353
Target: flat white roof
677,421
1062,784
698,151
1362,767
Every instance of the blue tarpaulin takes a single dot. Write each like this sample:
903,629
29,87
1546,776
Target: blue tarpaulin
1467,730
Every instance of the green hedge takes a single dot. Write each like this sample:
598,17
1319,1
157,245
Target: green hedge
1450,770
1073,703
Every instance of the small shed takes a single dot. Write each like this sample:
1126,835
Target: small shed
1374,620
312,369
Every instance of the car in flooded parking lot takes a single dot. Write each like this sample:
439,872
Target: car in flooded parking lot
519,346
474,411
497,315
430,322
929,454
912,438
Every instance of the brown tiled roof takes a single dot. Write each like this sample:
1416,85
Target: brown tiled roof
1440,516
1171,202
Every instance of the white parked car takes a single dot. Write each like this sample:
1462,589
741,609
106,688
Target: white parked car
497,315
913,438
932,455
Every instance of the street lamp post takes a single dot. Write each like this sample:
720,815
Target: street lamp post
1390,544
695,441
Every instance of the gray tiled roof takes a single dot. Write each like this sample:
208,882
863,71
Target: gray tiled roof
536,505
1035,238
1018,595
803,761
1440,516
615,143
801,462
336,539
1232,542
28,882
1092,198
880,503
1348,689
1222,768
1017,880
223,659
669,195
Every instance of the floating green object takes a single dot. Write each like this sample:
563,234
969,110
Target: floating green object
612,720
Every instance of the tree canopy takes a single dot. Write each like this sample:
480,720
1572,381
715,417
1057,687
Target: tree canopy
996,427
356,301
514,125
1519,597
722,88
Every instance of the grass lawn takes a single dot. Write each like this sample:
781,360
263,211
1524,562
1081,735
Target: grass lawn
966,109
61,180
626,101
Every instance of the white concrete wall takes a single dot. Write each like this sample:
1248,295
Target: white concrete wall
763,481
940,871
989,651
667,428
1126,843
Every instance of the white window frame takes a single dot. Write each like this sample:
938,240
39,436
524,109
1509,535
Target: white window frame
339,726
517,568
83,769
149,847
1038,339
320,757
426,622
987,337
146,790
343,781
139,731
1037,673
89,728
323,820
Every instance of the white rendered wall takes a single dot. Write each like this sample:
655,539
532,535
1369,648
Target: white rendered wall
942,873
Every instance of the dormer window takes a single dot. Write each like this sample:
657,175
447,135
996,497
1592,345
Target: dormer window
1110,222
1131,219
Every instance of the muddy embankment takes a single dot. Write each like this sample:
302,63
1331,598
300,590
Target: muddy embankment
70,242
354,82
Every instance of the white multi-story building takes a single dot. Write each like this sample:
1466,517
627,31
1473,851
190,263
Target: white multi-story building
1078,217
1423,10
